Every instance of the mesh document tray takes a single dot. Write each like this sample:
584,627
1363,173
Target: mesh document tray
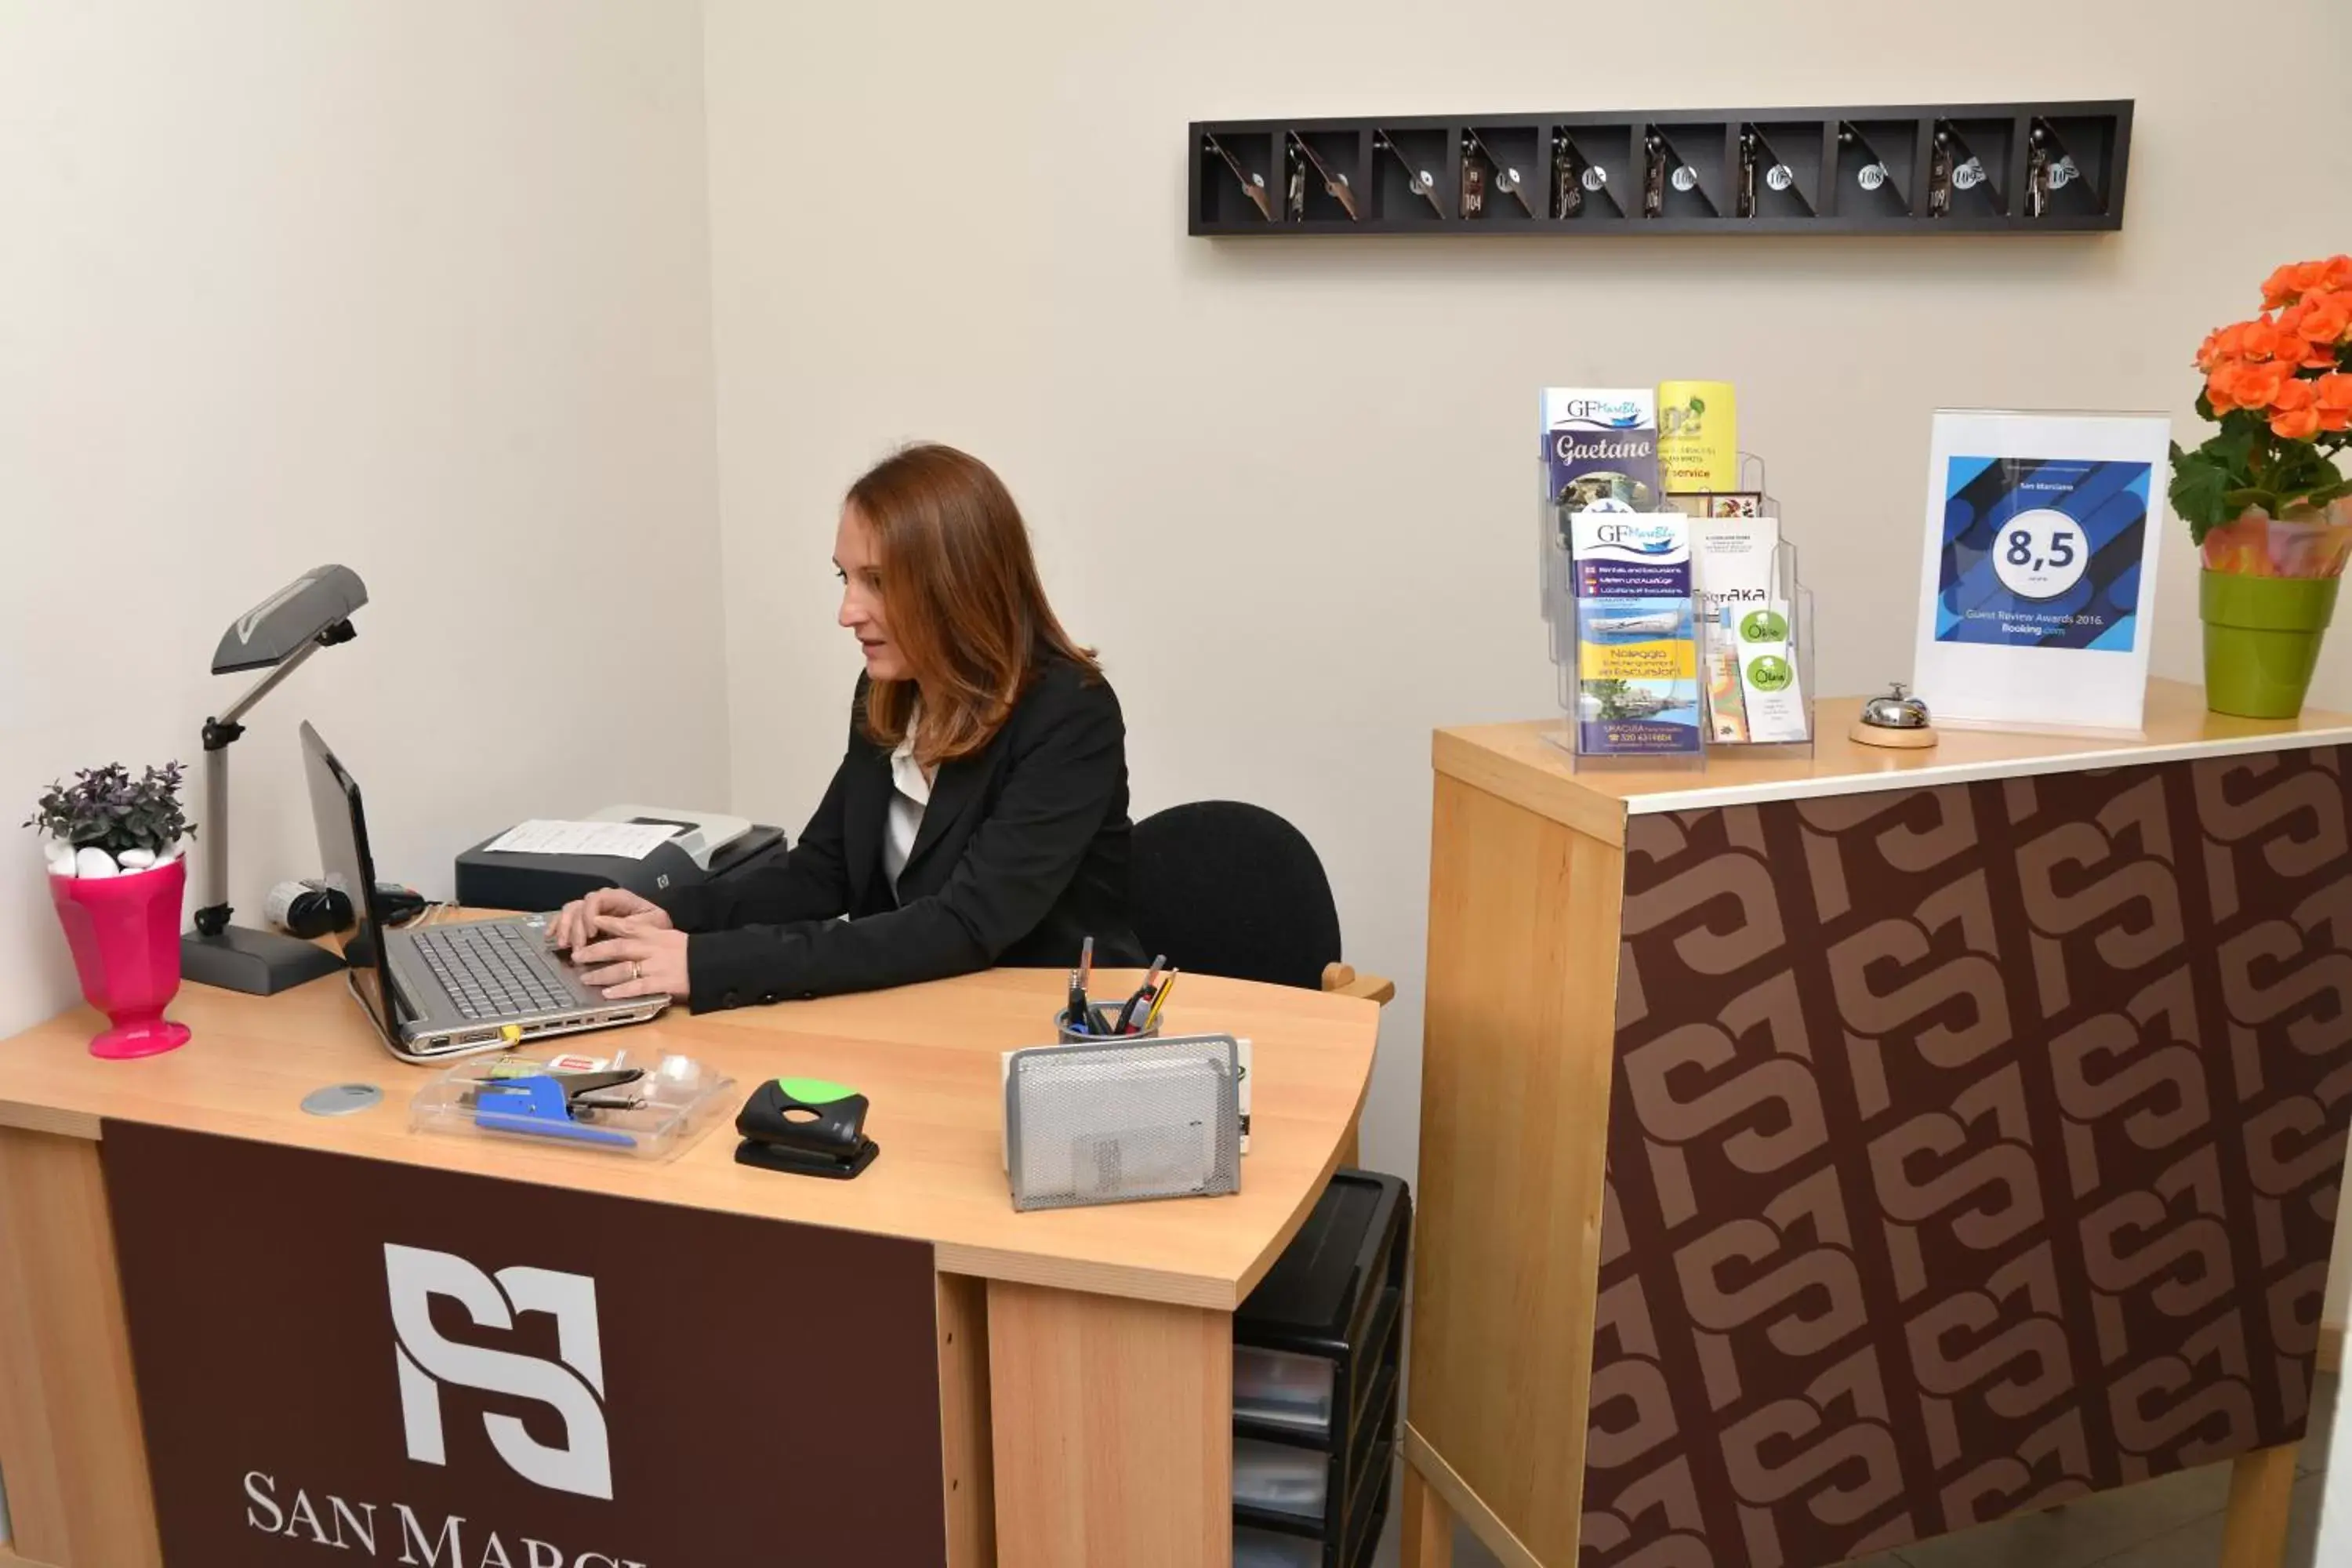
1123,1120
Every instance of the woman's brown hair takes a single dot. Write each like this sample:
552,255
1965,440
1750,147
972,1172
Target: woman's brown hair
960,588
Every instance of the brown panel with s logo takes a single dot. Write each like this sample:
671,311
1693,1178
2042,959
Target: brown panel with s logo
341,1361
1969,1148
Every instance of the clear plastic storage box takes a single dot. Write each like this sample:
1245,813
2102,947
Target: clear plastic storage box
1285,1481
643,1105
1265,1549
1283,1388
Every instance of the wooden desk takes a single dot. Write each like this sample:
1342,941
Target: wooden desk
1822,1156
1084,1355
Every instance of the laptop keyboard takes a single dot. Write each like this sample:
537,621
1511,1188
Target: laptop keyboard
494,971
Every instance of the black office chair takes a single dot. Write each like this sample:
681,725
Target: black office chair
1222,888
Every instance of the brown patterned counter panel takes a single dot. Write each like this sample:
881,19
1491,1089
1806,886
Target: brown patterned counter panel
1970,1148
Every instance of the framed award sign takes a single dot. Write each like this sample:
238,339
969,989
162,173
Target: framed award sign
2037,584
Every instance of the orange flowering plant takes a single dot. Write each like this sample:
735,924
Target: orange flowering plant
2280,388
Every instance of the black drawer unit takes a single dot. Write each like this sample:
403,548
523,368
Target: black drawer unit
1318,1355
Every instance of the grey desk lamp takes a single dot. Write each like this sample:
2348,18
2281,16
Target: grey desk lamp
310,612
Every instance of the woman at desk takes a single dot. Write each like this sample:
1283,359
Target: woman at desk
980,815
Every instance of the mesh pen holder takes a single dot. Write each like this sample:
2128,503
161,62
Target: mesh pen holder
1125,1120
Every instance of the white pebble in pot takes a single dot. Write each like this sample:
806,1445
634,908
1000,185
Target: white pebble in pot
92,861
60,857
137,859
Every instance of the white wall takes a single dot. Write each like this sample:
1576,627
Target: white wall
1286,485
420,288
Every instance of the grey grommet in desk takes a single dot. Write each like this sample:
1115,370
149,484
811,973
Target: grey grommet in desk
342,1099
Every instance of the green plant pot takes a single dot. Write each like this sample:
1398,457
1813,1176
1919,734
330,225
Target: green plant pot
2261,640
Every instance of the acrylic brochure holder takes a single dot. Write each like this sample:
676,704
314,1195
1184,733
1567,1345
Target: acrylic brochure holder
1622,661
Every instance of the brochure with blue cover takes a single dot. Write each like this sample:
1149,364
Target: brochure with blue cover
1601,449
1637,647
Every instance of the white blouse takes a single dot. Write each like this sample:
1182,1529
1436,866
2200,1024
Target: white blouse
910,794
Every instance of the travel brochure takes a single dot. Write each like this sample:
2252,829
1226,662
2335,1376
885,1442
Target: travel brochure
1637,650
1601,449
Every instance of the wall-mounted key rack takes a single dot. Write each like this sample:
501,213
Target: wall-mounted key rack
1984,168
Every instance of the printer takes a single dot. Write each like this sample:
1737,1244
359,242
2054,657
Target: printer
706,846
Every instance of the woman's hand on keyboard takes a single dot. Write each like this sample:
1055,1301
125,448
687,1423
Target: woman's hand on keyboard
576,922
633,957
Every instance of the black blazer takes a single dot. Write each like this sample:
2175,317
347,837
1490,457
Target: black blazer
1021,856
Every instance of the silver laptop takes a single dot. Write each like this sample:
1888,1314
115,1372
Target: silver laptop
446,990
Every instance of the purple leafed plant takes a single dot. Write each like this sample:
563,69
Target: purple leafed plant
106,808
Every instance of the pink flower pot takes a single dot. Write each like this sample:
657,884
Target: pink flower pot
125,935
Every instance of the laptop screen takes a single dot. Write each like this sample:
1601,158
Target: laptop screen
344,850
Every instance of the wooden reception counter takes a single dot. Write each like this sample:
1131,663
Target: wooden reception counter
1817,1156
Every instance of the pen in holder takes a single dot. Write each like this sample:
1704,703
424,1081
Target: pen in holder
1069,1036
1137,1019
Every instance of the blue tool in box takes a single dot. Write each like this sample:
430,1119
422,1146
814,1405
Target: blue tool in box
548,1105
